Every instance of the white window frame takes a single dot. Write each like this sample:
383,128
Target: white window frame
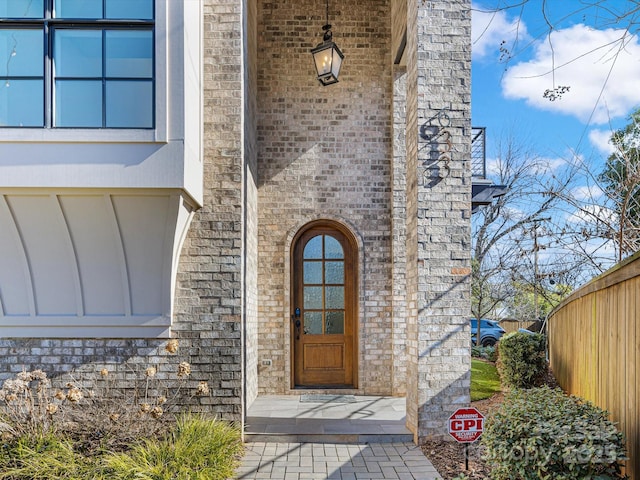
158,134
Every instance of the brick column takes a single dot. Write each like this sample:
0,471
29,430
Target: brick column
439,281
399,232
211,283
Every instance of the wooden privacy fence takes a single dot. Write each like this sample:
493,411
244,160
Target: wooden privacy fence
515,325
594,349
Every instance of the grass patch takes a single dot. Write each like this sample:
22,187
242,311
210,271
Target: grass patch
43,457
199,448
485,381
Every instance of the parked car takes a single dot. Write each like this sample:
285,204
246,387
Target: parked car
524,330
490,332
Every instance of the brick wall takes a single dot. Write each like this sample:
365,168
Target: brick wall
209,308
325,152
279,151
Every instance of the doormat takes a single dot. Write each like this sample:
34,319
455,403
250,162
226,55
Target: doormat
327,398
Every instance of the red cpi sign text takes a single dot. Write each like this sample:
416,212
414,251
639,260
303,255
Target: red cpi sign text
466,425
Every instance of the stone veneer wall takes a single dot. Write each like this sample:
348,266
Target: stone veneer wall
250,341
399,225
411,147
443,213
325,152
209,309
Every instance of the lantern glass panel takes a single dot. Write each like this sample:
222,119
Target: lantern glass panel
323,58
336,63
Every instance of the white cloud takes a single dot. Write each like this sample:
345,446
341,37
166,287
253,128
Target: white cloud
551,165
493,166
490,28
599,138
540,166
587,192
583,61
591,214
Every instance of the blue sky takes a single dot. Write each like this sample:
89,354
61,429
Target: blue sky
604,78
595,50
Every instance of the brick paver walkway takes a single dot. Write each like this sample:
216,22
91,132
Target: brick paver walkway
299,461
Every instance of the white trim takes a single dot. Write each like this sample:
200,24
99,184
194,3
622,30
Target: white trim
90,321
124,275
161,33
86,331
79,135
73,254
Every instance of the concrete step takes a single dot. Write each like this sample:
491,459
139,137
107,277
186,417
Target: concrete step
322,418
347,438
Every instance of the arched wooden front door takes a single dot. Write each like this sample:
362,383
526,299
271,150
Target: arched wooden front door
324,308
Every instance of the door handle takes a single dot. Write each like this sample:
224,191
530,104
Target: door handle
296,321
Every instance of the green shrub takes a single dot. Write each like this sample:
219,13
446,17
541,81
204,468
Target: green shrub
541,433
522,361
486,353
200,448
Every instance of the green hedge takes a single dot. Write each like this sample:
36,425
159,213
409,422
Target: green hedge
522,360
541,433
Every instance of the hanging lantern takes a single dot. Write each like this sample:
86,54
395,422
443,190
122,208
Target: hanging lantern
327,56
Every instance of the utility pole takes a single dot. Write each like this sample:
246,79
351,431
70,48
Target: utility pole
536,247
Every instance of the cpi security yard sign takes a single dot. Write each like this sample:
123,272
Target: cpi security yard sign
466,425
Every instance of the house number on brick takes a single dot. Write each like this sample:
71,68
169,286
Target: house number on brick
436,134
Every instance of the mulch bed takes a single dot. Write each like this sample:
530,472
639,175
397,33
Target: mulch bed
448,456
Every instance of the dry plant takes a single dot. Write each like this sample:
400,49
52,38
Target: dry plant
26,406
94,408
